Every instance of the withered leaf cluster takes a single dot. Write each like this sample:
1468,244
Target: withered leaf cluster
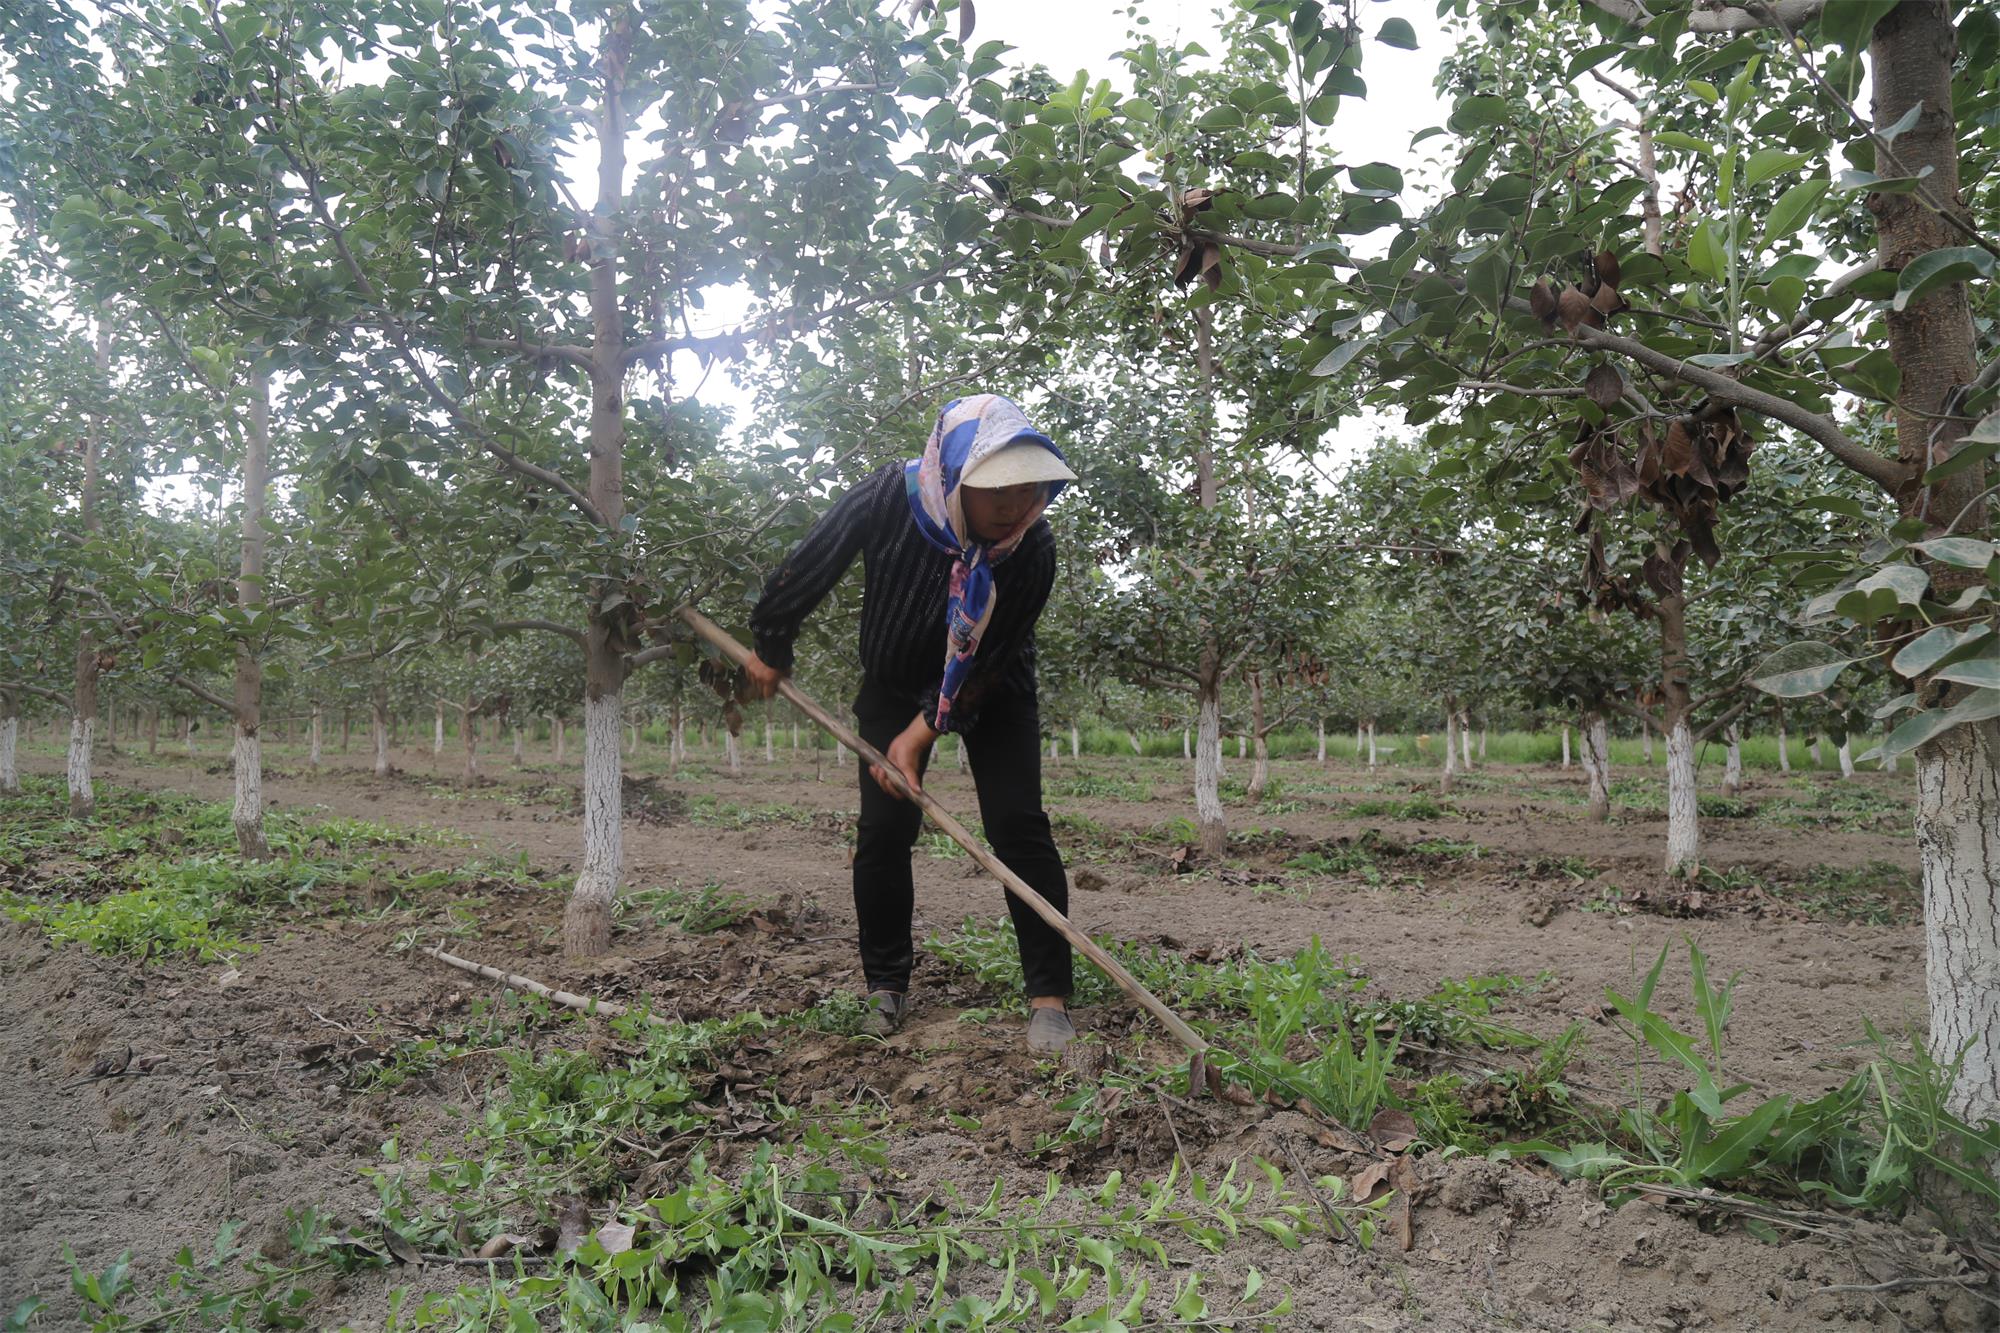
1198,258
1689,470
1585,303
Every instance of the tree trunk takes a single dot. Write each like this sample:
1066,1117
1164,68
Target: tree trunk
587,920
248,814
1732,772
187,734
1208,755
1260,771
1372,749
1596,737
1784,747
1187,745
1683,811
378,725
963,765
770,755
468,725
437,731
1132,739
1646,739
1465,739
83,696
10,731
1846,756
1818,753
346,726
1565,747
733,750
1242,746
1360,737
1321,760
1958,839
1448,775
515,728
1482,744
561,739
795,738
1055,750
1075,743
313,754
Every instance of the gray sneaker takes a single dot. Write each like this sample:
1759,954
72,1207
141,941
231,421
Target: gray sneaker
886,1011
1049,1031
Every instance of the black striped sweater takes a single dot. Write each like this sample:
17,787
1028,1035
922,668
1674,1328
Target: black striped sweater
906,584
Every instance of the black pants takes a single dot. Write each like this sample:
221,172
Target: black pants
1005,751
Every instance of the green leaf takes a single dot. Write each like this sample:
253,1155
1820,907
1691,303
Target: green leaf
1768,162
1676,139
1965,552
1856,179
1398,33
1975,707
1476,113
1705,254
1220,118
1983,672
1969,453
1926,650
1728,1152
1333,362
1954,263
1799,670
1850,23
1794,206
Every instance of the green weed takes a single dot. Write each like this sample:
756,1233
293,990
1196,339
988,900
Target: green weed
700,911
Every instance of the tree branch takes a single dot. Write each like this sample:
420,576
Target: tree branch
549,626
1735,711
203,693
55,697
1633,711
1712,17
576,356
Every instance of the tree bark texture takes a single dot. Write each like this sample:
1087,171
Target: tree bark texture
1683,814
248,701
378,717
10,733
1208,756
1596,737
1732,772
1260,771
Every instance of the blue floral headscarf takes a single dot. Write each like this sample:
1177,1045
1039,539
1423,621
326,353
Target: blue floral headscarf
969,431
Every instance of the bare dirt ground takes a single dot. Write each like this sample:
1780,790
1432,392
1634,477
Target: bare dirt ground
256,1107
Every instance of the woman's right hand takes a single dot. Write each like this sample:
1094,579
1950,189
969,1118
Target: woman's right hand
763,678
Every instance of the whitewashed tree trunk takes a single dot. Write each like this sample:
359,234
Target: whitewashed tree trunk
1958,841
1260,771
187,734
1465,739
1646,738
732,750
1132,739
1449,773
1482,745
1075,743
152,730
1565,747
516,726
964,765
561,740
1208,774
82,797
770,754
587,921
313,755
1847,756
1322,744
1818,753
795,738
437,732
1360,737
1242,746
10,773
1732,771
1784,750
247,814
1891,765
1187,745
1683,813
839,755
1055,749
378,718
1373,749
1596,737
468,726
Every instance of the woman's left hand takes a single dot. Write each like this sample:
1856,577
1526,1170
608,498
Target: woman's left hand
907,753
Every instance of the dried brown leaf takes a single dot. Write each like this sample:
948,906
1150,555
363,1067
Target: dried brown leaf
1606,265
1542,301
1604,385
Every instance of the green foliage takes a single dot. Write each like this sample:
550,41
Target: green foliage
697,911
168,914
1868,1143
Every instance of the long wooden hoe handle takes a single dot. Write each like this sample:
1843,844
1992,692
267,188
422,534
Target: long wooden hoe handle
1086,946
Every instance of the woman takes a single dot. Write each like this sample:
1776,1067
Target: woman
958,564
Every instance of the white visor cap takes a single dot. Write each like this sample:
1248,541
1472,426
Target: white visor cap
1016,465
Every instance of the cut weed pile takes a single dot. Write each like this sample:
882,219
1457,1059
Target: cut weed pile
768,1169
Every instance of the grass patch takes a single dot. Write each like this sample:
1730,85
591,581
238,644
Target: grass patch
701,911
